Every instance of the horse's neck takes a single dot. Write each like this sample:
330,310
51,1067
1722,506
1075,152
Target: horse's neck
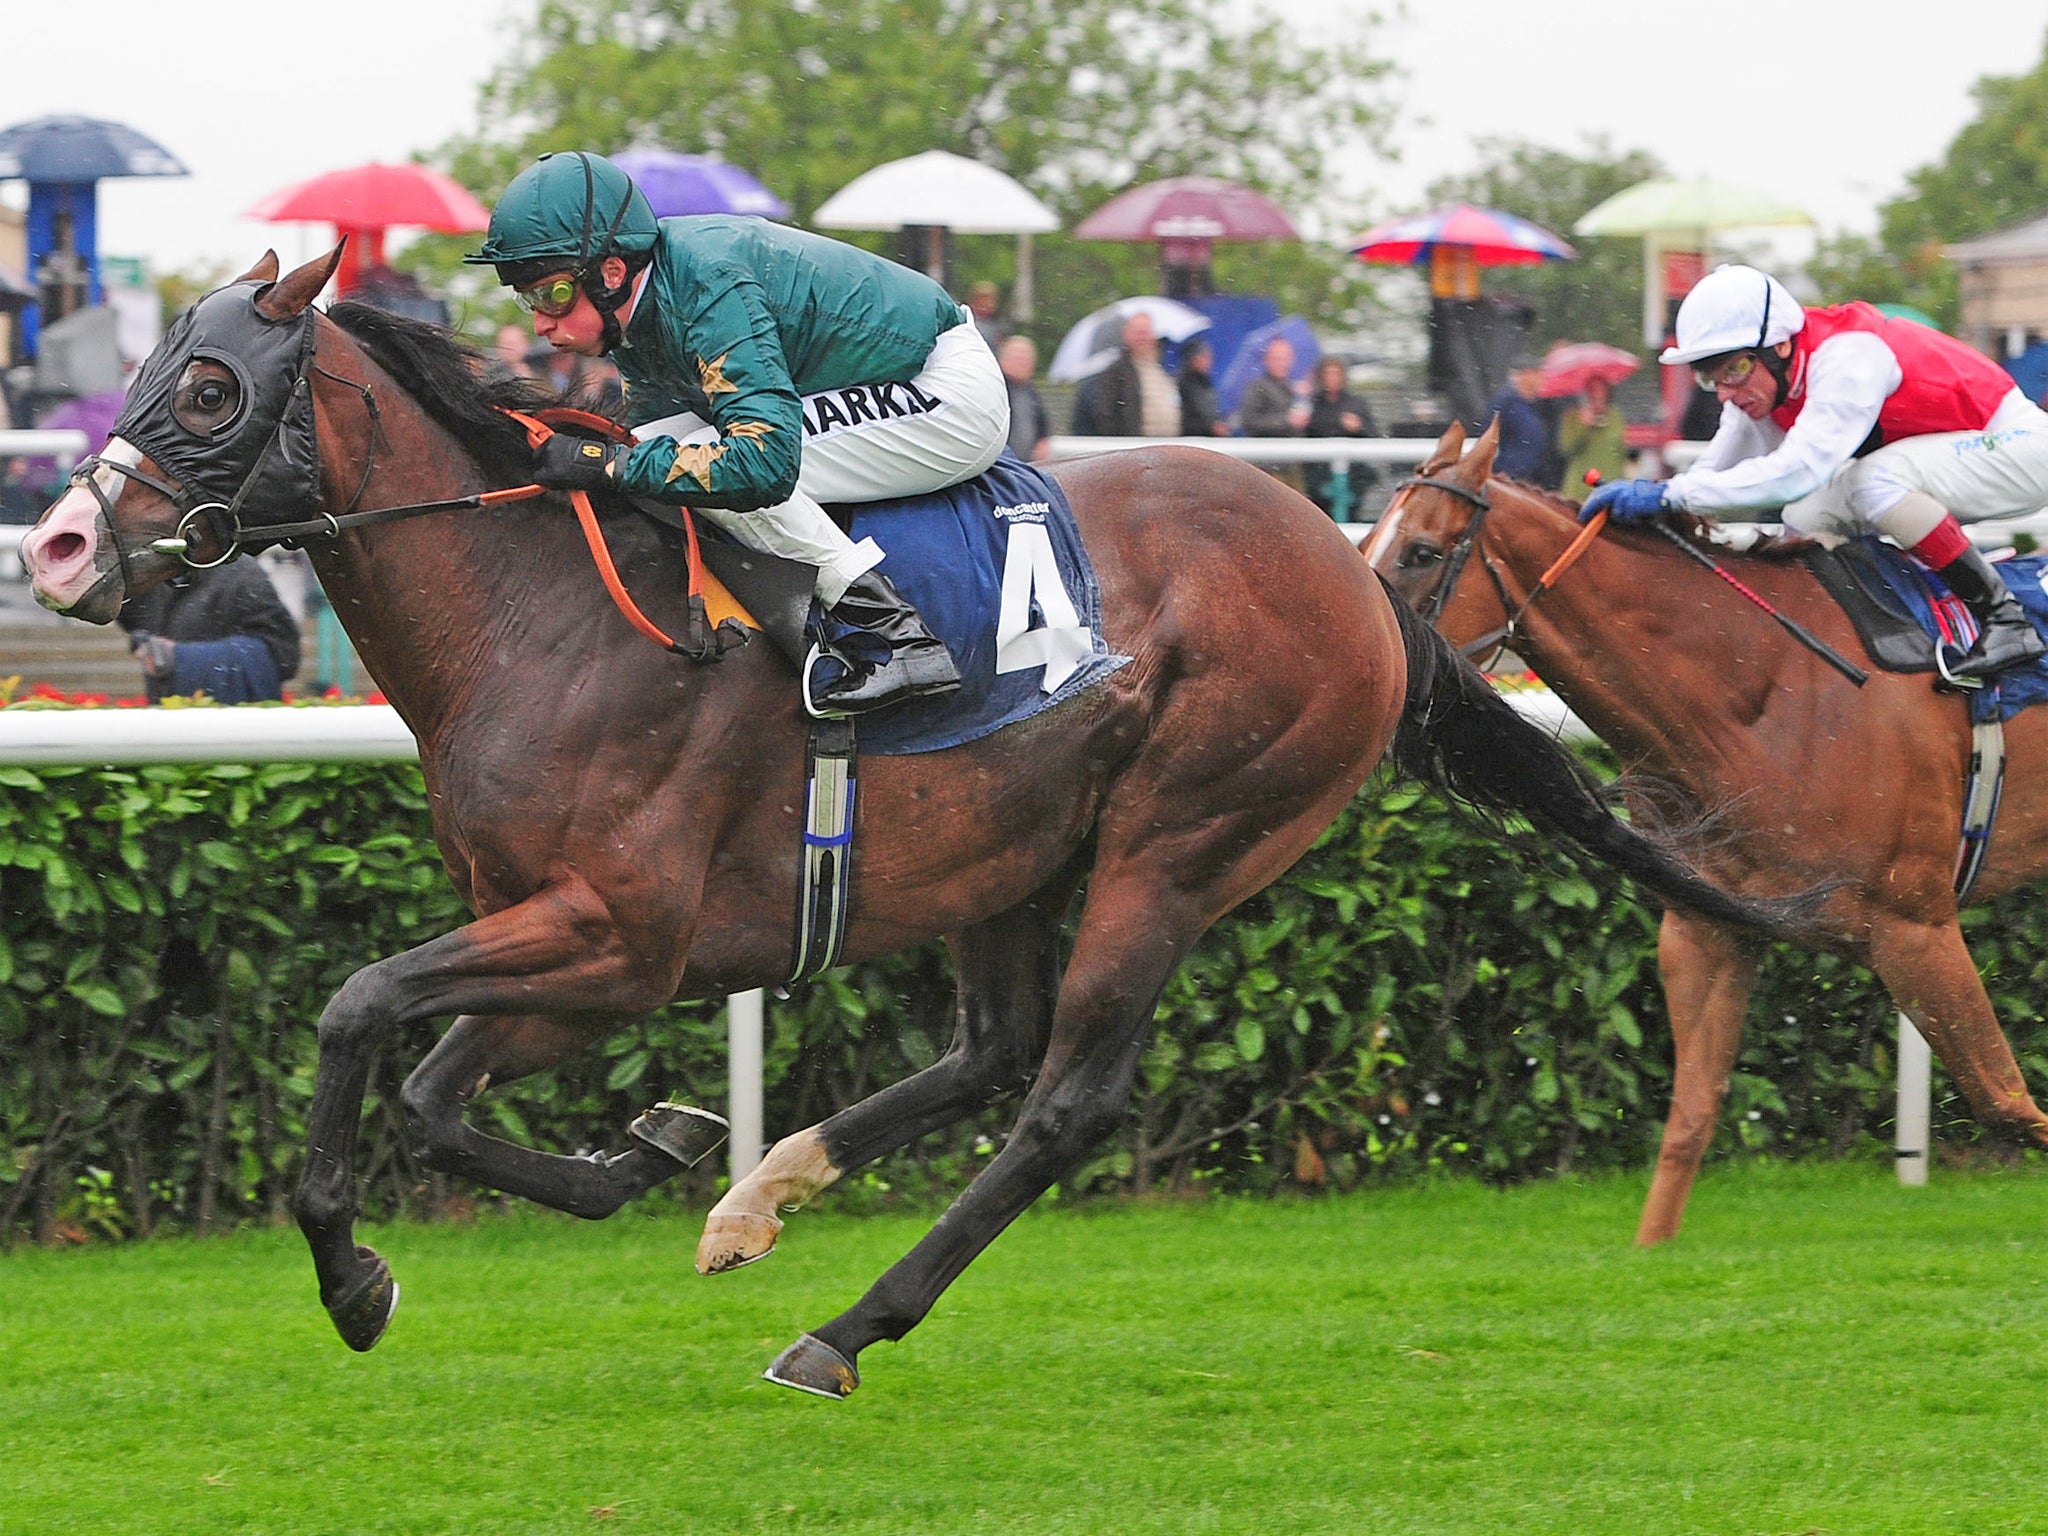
1624,636
437,604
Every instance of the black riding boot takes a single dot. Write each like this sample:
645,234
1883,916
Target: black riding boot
918,663
2007,635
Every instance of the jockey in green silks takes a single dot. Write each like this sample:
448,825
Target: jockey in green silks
768,371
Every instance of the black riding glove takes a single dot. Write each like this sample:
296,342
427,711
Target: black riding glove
565,463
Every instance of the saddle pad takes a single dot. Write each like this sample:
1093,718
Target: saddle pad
1900,608
998,570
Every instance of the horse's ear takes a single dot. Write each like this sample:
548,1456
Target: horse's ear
291,294
1447,449
265,270
1477,463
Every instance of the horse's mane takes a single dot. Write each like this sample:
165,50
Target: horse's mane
1768,546
452,383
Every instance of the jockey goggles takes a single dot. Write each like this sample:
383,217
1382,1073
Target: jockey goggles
1725,372
553,296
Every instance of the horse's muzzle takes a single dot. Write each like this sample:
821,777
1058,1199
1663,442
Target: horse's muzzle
72,562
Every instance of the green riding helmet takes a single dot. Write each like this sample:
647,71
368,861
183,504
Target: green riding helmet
573,207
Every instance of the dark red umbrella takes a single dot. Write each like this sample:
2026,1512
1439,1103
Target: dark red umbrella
1188,208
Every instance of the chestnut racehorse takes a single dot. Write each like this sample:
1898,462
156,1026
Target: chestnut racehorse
1815,780
626,823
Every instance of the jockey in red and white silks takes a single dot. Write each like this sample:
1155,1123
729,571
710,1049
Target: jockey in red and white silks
1852,421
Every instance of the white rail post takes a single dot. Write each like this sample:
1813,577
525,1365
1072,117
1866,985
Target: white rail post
1916,1103
745,1026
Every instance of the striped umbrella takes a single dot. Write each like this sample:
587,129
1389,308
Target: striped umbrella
1488,238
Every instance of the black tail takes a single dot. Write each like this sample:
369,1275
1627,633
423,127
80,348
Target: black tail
1462,739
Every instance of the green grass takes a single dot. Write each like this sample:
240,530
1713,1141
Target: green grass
1821,1351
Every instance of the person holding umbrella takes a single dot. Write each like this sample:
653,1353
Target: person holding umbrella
1853,422
769,371
1591,438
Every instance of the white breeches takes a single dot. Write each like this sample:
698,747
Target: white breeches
947,426
2001,472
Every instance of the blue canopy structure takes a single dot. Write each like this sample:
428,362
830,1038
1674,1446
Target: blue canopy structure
62,159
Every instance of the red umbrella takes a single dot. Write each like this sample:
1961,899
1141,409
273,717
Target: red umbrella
1489,237
365,200
1568,366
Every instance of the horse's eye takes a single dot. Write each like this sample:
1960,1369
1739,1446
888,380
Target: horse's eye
1418,554
210,396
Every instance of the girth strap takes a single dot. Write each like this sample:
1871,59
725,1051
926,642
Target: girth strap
824,877
1981,792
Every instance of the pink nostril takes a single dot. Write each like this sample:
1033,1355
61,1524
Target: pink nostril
62,549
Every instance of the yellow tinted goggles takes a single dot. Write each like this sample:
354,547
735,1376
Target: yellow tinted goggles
1729,373
551,296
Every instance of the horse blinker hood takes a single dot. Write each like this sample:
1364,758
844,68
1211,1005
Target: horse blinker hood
265,457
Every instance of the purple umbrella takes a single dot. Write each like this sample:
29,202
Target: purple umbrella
93,415
678,184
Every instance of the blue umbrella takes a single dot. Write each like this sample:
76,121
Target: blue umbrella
1250,361
679,184
79,149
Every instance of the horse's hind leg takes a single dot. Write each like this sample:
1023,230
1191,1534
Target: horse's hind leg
479,1049
1008,976
1928,971
1172,861
1708,972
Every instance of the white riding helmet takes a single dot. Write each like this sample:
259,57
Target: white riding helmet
1734,309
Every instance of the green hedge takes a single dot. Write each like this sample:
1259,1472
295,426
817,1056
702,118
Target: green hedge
1408,997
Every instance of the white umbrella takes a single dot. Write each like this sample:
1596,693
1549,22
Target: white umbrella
1092,345
936,188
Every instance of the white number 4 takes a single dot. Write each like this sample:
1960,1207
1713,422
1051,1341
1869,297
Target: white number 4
1032,575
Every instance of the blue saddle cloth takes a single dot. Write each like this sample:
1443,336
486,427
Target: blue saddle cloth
997,568
1942,615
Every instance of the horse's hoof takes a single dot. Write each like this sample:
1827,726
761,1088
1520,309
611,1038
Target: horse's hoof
734,1240
679,1131
811,1365
361,1316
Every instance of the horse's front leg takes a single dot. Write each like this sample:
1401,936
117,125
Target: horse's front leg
557,952
475,1051
1708,972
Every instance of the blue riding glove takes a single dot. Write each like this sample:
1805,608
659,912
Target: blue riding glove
1626,501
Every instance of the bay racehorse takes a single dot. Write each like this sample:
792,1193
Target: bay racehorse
1816,781
625,822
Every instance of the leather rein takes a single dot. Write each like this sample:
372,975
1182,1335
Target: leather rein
221,521
1496,640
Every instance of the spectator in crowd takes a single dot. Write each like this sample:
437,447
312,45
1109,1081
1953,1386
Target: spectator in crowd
221,631
1527,444
1030,426
509,354
985,303
1200,415
1269,407
1334,411
1591,439
1134,396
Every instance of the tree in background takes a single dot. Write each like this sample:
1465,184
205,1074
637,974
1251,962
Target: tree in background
1994,173
1599,297
1076,98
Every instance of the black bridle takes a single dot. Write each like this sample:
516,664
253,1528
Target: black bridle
1454,565
220,522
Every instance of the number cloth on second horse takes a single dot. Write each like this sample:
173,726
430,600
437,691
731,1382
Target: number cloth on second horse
768,371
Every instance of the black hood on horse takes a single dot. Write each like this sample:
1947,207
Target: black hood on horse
262,453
